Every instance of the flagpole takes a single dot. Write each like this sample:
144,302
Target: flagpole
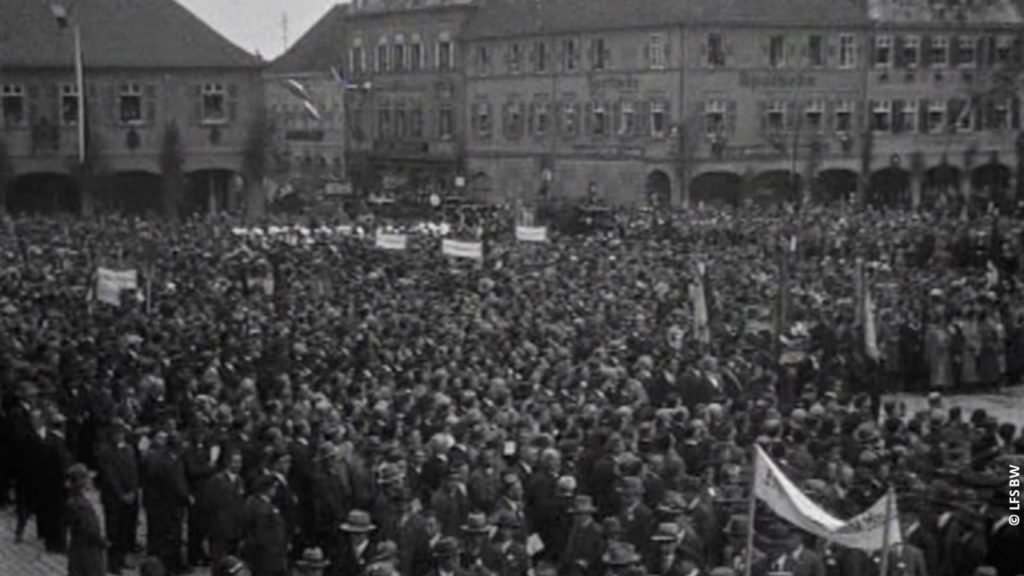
80,82
748,563
885,533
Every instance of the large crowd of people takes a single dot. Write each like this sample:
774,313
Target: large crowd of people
304,401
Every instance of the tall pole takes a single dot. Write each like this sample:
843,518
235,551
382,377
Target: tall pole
885,532
80,84
748,563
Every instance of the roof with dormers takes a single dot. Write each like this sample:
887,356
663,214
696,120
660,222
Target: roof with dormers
115,33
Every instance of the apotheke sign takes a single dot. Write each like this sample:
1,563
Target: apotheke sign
760,80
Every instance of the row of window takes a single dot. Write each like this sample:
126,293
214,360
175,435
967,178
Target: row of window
780,52
399,55
941,51
595,118
572,55
935,116
396,121
135,104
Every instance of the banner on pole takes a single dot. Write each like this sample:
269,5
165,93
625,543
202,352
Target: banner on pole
392,241
864,532
110,283
460,249
532,233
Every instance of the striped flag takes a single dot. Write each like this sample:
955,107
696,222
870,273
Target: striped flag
299,90
342,81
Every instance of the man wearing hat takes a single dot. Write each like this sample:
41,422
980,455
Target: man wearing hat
583,550
357,544
791,556
312,562
165,494
504,555
264,532
619,558
636,518
475,533
446,558
671,552
53,461
87,547
224,503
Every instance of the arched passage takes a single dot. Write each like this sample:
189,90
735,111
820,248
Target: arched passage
775,187
991,183
130,193
208,191
834,185
889,187
716,189
43,193
941,185
659,189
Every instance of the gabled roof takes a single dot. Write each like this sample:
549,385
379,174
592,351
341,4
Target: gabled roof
319,48
115,33
504,18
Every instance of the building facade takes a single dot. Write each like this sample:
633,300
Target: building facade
149,69
943,102
754,102
404,62
573,100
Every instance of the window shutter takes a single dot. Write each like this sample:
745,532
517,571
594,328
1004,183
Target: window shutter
1015,113
954,107
197,103
232,102
762,108
897,116
830,116
53,103
530,120
588,120
114,103
731,113
668,50
926,51
150,92
791,111
607,56
833,52
922,111
521,120
643,118
984,114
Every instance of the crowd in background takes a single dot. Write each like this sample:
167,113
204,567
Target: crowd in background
305,401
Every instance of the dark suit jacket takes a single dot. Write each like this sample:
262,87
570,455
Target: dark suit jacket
907,560
1006,548
452,508
264,538
924,539
350,565
637,526
506,558
583,550
224,503
119,473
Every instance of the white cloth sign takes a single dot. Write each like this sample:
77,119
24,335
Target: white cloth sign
460,249
110,283
392,241
864,532
532,233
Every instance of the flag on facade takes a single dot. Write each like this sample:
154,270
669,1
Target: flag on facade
342,81
298,90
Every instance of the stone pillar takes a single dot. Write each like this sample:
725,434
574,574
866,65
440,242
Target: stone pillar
916,190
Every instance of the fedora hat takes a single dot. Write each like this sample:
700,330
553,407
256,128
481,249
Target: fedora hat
390,474
673,503
445,548
476,523
582,504
632,485
79,475
358,521
666,532
312,558
620,554
386,551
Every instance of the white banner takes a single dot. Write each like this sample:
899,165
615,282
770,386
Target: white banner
459,249
110,283
392,241
864,532
532,233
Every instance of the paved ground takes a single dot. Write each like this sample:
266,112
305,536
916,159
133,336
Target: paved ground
1006,406
30,559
